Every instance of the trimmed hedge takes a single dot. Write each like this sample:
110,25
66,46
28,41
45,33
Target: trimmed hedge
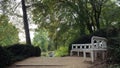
17,52
5,57
24,50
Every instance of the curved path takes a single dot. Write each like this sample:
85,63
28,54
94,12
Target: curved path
52,62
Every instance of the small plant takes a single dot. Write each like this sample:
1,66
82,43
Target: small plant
62,51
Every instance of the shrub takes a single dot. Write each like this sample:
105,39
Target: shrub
17,52
22,51
5,57
62,51
114,66
37,51
114,50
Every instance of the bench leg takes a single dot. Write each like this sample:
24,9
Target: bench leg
103,55
95,55
78,53
92,56
84,55
71,53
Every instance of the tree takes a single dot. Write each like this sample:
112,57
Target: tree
9,7
83,14
110,15
71,19
26,26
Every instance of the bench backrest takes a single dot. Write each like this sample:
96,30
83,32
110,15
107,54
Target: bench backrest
97,43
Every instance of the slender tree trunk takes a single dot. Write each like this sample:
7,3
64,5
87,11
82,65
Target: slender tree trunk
26,26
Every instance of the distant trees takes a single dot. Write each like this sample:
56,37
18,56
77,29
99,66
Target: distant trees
41,40
67,20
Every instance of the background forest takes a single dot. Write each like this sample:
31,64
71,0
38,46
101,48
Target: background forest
63,22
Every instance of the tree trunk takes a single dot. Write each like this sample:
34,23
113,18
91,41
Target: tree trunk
26,26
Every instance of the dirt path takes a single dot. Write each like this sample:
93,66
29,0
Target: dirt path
55,62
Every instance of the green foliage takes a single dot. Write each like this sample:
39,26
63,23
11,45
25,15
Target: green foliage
66,21
110,14
8,32
114,50
80,14
4,6
41,40
114,66
52,19
62,51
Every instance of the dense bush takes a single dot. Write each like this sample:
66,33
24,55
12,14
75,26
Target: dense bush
113,45
62,51
5,57
114,50
114,66
17,52
22,50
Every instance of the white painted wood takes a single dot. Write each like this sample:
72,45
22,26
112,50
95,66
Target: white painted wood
84,54
78,53
92,56
97,44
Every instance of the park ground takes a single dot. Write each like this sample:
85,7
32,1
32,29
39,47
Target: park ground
57,62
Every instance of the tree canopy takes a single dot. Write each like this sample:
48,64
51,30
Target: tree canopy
68,20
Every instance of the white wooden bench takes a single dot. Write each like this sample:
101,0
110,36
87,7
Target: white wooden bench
98,44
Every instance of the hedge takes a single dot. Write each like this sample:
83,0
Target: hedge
17,52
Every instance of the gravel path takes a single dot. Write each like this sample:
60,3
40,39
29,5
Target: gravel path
52,62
